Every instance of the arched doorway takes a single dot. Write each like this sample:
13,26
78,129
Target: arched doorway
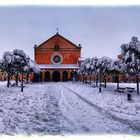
40,76
56,76
36,77
47,76
65,76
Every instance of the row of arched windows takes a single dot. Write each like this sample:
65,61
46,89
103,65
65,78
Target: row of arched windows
55,76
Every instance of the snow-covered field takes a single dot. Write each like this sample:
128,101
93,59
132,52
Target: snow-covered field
68,108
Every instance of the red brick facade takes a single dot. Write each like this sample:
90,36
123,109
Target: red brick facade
69,51
57,54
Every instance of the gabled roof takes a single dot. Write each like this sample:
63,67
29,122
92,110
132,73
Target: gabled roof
56,35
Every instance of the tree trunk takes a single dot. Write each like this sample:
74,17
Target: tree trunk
118,82
105,80
90,79
83,78
21,79
86,79
97,80
137,81
8,80
16,79
8,74
27,77
100,82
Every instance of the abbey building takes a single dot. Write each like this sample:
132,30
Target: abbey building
57,58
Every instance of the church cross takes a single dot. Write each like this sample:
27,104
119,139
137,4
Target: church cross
57,30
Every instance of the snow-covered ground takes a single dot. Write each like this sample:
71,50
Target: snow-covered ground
68,108
111,103
34,111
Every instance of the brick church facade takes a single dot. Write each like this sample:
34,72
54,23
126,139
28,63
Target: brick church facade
57,58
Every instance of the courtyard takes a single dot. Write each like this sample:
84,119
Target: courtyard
65,108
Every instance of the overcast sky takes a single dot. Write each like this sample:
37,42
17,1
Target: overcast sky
100,30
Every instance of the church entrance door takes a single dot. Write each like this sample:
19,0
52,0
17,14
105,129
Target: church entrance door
56,76
47,76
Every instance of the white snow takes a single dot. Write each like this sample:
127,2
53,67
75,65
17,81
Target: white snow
19,52
33,66
68,108
59,66
34,111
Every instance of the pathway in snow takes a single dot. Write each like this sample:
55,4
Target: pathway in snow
34,111
132,125
58,108
89,118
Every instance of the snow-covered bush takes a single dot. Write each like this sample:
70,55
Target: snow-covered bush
32,66
116,67
82,70
131,58
7,65
19,52
1,64
8,57
105,63
17,62
95,66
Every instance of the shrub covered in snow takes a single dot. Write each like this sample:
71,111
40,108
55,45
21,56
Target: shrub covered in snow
100,67
33,66
17,62
131,58
18,52
8,57
7,65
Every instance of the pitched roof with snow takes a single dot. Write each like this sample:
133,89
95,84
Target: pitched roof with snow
58,35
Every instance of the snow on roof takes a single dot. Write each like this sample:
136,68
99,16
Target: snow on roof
58,66
81,59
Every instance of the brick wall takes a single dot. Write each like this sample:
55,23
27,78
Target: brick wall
69,51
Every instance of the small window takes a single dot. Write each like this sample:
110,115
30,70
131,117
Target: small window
57,47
